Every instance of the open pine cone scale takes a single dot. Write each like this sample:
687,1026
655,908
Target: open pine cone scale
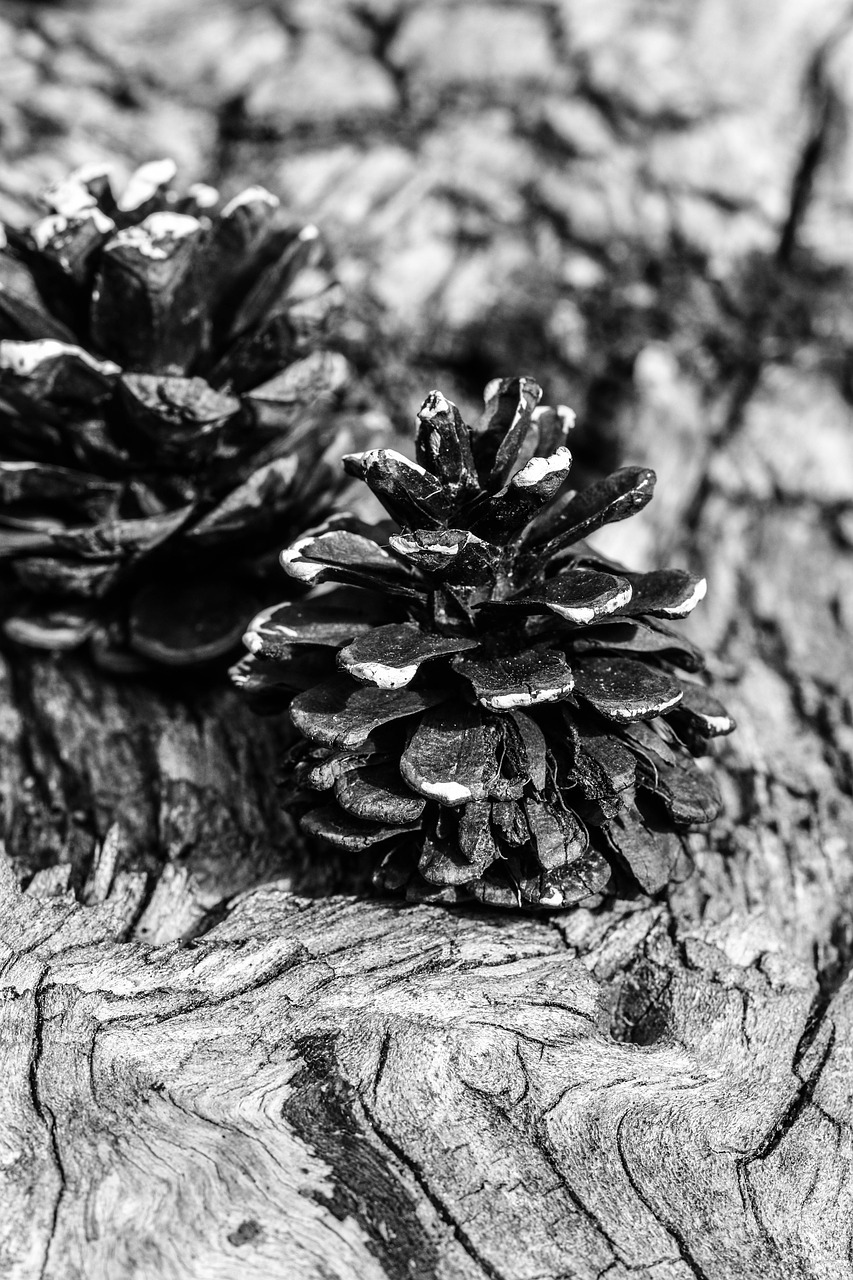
165,393
500,709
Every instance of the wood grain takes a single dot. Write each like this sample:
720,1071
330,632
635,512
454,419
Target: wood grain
355,1089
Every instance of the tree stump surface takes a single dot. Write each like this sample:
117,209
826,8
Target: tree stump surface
221,1056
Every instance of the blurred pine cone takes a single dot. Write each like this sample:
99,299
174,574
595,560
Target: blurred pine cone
494,703
165,401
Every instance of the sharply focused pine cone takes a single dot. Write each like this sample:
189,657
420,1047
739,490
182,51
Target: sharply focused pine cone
496,705
165,411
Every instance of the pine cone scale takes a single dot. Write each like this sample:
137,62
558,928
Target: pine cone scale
452,757
342,713
619,496
376,793
332,824
390,656
518,681
624,689
281,627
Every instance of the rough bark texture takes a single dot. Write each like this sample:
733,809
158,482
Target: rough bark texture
649,206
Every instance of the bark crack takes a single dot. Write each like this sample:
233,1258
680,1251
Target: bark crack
677,1236
800,1099
442,1212
825,112
44,1112
538,1134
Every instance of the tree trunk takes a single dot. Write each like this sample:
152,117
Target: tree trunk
223,1057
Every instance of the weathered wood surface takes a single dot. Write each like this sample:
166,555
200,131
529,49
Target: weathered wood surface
649,206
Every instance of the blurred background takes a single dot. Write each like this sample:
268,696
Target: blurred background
645,204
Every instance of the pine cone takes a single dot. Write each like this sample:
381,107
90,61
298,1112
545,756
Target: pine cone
486,697
164,402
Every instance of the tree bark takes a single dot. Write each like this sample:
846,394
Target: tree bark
222,1056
